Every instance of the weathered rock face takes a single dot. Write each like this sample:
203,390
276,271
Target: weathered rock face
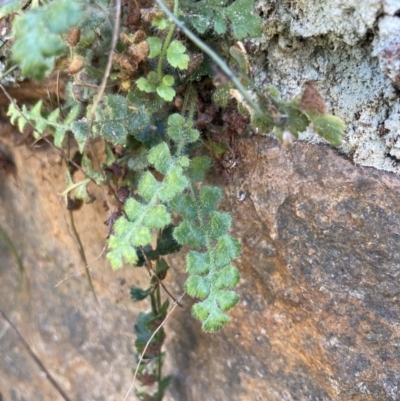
319,310
320,306
351,49
88,349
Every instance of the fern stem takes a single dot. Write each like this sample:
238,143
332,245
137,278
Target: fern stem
8,71
158,293
81,249
167,42
107,71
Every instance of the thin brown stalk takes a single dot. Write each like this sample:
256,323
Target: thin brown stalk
109,62
151,271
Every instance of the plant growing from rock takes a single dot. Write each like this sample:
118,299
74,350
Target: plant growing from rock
149,123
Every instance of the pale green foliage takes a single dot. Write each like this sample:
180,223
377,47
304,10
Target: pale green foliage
329,127
155,148
211,274
115,118
155,45
11,6
50,123
216,15
176,55
37,35
148,212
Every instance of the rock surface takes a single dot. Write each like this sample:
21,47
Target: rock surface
351,49
319,310
320,302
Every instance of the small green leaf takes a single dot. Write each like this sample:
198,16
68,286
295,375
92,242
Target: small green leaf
138,294
227,300
209,198
198,287
133,209
215,321
160,157
244,23
176,127
122,227
184,161
145,85
160,22
37,35
176,55
157,217
166,242
168,80
201,310
72,115
138,119
161,268
228,277
141,236
174,182
198,167
148,186
201,19
219,25
184,205
129,254
190,234
219,223
115,259
228,248
297,121
155,46
139,161
329,127
80,129
165,91
197,263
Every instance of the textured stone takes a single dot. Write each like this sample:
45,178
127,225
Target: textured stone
319,312
88,349
350,48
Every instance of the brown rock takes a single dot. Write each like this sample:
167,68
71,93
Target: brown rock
319,310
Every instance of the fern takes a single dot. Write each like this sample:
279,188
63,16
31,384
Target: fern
49,122
147,148
148,212
216,14
204,228
116,117
211,274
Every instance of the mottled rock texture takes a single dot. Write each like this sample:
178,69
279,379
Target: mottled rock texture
320,301
319,311
351,49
